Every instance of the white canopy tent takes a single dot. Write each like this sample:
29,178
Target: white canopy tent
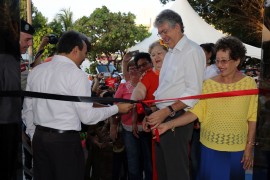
195,28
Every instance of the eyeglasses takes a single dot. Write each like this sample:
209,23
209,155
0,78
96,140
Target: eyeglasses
142,65
223,61
132,69
164,32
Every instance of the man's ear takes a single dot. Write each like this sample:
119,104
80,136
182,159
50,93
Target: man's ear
177,26
75,50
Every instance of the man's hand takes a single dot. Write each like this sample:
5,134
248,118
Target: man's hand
162,128
37,59
157,117
124,107
145,125
44,42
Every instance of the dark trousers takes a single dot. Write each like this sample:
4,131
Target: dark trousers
27,154
172,153
119,166
261,169
102,163
9,141
195,153
57,156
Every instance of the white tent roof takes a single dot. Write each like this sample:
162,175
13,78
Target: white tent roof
195,28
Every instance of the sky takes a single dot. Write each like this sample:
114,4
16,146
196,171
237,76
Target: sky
145,10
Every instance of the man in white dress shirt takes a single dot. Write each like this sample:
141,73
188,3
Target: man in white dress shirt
54,125
181,75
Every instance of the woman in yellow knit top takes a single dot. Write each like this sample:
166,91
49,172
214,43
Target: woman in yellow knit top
227,124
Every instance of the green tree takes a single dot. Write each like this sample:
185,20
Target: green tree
23,9
65,17
240,18
56,27
39,22
92,69
111,32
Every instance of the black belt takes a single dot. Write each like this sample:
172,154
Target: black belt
57,131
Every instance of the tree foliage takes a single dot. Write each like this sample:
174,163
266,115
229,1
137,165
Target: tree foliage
23,9
65,17
240,18
111,32
39,22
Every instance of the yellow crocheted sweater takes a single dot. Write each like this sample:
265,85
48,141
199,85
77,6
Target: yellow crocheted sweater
224,121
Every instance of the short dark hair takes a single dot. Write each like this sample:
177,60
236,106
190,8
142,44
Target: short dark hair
210,48
142,55
236,48
169,16
69,40
87,42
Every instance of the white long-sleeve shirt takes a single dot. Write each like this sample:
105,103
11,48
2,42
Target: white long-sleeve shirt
211,71
182,73
60,76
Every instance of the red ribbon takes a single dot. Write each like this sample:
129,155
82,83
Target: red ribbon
140,109
157,135
212,95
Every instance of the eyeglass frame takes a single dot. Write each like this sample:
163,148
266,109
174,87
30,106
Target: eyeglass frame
144,64
223,61
133,68
164,31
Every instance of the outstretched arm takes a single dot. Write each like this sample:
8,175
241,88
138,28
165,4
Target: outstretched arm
183,120
43,44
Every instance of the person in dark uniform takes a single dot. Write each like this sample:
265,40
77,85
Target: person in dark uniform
26,40
10,107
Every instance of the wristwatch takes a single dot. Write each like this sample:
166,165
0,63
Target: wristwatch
172,114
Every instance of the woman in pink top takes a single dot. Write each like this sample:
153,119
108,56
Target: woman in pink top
137,149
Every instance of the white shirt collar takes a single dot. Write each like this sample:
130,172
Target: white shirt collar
61,58
180,45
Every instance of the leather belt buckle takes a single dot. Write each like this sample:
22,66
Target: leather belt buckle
57,131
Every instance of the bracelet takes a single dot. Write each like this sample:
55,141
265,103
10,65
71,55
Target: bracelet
251,143
173,128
